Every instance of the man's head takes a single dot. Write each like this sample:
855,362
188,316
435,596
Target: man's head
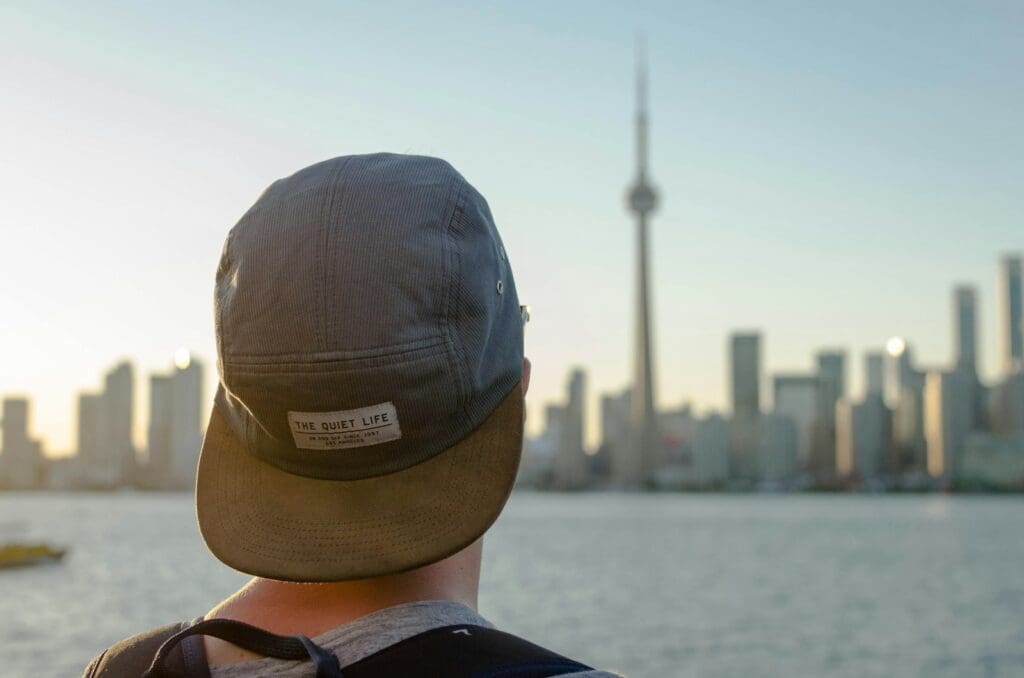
369,417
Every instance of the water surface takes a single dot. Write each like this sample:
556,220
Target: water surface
652,585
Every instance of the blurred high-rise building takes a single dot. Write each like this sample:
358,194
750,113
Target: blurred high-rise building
904,396
1011,312
874,373
175,424
187,427
862,436
776,449
1006,405
91,433
159,462
831,387
20,455
796,396
948,420
900,373
965,328
711,450
745,382
965,339
106,451
119,397
615,436
571,471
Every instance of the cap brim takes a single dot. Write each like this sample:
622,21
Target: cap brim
261,520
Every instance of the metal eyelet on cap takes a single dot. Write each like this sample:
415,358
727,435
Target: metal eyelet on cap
501,287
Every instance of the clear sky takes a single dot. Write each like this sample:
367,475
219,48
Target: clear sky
828,170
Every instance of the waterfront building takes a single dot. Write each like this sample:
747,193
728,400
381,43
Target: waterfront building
571,468
539,452
159,461
862,435
175,424
992,463
20,455
831,387
641,200
900,373
91,431
904,396
874,373
947,421
710,450
678,428
776,449
1011,312
615,436
796,396
105,448
1006,405
119,410
677,467
745,383
965,328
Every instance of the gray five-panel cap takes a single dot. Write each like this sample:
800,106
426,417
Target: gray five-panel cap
369,337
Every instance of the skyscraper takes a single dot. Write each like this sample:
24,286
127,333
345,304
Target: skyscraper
119,394
796,397
965,328
874,373
615,434
831,387
91,430
947,421
20,455
175,424
159,461
745,363
641,200
1011,312
571,459
186,417
106,451
862,434
745,378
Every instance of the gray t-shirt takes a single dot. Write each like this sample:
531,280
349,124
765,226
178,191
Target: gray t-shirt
367,635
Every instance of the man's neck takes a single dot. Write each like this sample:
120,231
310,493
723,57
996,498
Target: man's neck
289,608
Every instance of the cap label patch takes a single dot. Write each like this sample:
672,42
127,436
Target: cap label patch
348,428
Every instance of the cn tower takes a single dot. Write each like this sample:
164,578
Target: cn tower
641,199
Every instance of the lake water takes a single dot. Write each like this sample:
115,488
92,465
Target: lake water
651,585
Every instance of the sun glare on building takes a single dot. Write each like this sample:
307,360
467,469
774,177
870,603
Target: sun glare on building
895,346
182,358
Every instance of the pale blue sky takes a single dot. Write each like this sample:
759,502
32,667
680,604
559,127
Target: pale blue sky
828,170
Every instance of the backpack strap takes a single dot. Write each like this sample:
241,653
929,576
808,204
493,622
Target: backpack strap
459,651
243,635
464,651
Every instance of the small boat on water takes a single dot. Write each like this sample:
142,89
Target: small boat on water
23,555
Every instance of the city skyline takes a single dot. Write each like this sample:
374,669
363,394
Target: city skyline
821,205
754,385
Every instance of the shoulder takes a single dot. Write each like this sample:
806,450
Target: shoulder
131,656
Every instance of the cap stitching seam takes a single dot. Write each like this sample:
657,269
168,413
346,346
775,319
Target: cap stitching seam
454,291
360,354
336,193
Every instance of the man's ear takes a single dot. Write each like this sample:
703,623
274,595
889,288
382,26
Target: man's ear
526,375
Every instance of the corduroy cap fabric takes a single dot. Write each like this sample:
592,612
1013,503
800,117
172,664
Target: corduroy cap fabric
369,418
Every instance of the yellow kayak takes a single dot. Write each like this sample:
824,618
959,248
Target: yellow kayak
20,555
